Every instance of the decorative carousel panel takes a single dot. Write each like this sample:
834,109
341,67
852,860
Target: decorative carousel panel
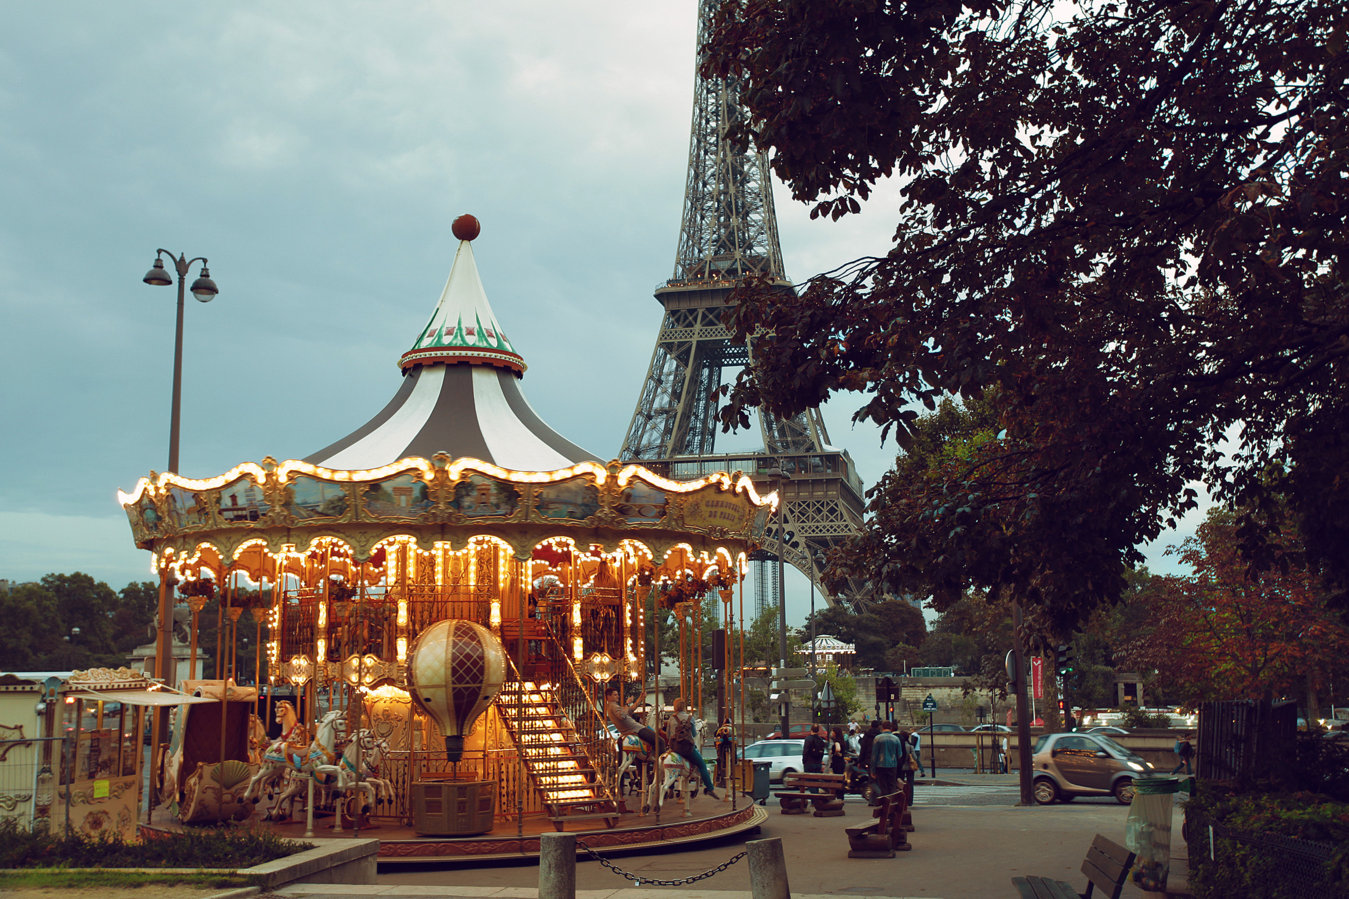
573,500
309,499
712,510
406,496
641,503
189,510
243,501
146,522
480,496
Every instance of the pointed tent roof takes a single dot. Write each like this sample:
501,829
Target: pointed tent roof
460,393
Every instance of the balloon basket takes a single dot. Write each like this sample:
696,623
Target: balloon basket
451,807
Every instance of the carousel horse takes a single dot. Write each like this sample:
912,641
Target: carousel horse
257,741
635,756
272,763
296,767
357,771
676,774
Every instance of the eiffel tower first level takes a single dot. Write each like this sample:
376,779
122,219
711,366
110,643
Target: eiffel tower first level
728,232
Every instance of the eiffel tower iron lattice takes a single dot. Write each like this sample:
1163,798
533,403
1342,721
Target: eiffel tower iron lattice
727,233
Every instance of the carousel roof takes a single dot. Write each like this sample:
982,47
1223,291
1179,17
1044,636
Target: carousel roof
461,391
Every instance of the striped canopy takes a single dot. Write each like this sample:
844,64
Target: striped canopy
460,395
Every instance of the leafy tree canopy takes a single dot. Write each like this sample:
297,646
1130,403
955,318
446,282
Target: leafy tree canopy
1221,634
1126,220
874,631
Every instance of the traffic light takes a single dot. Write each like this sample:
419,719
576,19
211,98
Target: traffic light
1065,659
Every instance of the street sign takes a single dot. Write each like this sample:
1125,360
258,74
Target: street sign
929,704
1037,677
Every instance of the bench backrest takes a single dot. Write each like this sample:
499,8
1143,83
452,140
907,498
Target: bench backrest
1107,866
811,778
890,811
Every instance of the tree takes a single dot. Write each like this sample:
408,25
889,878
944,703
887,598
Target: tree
876,631
1225,633
1127,220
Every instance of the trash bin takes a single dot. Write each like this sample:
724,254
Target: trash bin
754,779
1148,830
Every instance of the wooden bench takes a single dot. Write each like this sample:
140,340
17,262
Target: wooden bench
823,791
1107,866
884,836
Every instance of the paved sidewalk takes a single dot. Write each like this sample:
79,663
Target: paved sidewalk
957,852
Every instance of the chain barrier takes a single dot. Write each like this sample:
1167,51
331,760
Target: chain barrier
638,881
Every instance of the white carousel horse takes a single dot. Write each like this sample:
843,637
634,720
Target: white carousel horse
357,772
257,740
634,757
676,773
297,766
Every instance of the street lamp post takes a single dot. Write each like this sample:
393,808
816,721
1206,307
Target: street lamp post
205,290
779,476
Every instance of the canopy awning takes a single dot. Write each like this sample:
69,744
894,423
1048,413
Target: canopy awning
140,697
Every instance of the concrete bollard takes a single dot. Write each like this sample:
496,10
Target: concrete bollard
557,866
767,870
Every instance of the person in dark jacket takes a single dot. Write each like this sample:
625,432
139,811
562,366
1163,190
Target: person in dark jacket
812,754
864,754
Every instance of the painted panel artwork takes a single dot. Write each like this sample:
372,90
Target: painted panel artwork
242,501
641,503
403,496
479,496
308,498
189,508
575,500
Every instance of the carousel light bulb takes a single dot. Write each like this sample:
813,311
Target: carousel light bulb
495,615
323,614
577,650
401,648
455,670
321,649
402,613
576,613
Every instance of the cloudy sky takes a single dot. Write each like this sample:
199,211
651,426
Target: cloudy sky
317,153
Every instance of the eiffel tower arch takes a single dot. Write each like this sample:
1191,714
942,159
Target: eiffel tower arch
728,232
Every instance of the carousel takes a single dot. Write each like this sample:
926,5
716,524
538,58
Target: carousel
441,599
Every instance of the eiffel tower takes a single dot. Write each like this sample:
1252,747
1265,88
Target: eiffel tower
729,231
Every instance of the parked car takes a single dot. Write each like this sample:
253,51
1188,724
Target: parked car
1108,729
1070,765
797,731
991,728
943,729
782,756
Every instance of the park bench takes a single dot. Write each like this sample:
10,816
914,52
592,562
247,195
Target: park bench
1107,866
882,837
823,791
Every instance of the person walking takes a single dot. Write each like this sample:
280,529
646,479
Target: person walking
838,753
916,744
885,752
812,753
906,762
679,732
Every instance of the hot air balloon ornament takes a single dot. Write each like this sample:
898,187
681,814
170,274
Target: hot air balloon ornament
456,669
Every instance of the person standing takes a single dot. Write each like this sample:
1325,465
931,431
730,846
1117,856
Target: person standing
885,752
838,754
864,747
1184,752
906,762
916,743
679,732
812,753
725,744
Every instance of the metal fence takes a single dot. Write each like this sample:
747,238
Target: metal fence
1243,741
1266,864
28,777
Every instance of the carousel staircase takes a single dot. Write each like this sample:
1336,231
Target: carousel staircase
554,755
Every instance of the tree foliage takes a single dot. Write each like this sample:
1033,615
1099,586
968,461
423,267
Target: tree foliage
874,632
1126,220
70,621
1225,634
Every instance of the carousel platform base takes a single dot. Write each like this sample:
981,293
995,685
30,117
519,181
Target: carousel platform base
399,844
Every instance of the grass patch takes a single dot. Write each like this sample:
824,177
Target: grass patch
66,878
23,848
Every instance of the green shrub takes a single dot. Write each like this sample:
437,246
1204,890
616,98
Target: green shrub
23,848
1250,857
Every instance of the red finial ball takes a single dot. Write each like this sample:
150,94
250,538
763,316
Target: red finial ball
466,227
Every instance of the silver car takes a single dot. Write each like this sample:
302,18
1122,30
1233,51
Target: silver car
782,756
1070,765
